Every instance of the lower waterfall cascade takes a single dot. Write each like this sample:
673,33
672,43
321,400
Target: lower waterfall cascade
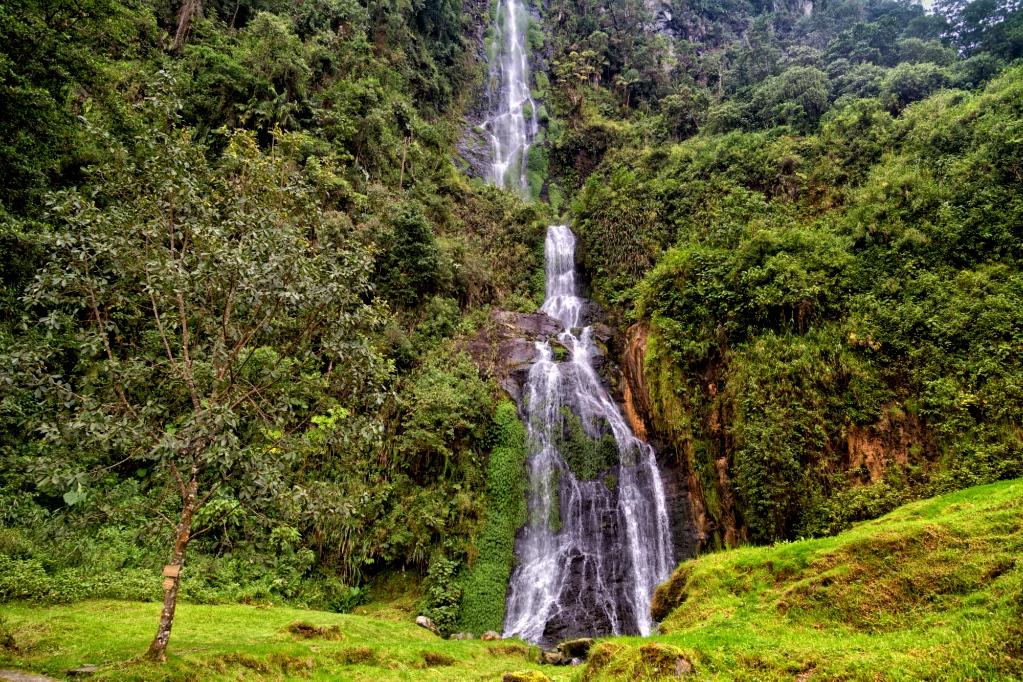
593,551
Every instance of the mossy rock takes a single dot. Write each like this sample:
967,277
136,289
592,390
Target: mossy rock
585,455
526,676
560,352
576,648
670,594
657,659
601,657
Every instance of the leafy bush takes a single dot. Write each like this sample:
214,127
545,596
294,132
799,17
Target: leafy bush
486,581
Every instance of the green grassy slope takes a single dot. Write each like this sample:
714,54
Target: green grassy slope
232,642
933,590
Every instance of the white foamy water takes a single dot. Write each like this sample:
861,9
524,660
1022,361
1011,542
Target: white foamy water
596,574
511,132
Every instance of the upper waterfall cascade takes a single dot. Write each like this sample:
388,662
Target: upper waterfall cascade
514,125
592,552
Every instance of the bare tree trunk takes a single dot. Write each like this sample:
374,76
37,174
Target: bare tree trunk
404,147
158,649
189,10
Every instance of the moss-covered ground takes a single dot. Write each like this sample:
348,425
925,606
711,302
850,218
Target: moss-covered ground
932,591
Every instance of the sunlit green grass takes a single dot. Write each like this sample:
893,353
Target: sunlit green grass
245,642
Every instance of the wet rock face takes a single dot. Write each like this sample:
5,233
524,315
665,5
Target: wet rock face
507,348
598,570
691,526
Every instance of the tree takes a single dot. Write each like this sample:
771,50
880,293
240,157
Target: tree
192,320
409,268
994,26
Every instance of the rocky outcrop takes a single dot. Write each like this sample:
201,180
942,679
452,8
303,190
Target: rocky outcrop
634,392
695,447
898,438
472,151
506,348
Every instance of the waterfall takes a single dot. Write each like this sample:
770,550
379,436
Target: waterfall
593,551
513,126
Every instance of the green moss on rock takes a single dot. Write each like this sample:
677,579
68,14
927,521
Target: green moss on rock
586,456
486,582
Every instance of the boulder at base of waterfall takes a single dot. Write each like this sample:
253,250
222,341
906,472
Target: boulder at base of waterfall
424,622
491,636
552,657
576,648
460,636
664,659
526,676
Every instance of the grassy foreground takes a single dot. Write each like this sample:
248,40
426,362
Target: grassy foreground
245,642
933,591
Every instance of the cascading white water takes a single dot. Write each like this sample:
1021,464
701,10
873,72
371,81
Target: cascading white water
513,126
592,553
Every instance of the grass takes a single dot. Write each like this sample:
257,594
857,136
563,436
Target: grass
932,591
246,642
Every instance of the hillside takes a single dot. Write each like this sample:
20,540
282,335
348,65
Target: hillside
930,591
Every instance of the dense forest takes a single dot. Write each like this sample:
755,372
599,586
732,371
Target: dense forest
245,256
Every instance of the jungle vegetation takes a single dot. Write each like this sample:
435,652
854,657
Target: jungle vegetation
239,266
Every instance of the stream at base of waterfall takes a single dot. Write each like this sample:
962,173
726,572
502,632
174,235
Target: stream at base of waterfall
593,550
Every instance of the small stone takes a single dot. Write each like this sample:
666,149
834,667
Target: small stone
461,636
526,676
682,667
491,636
19,676
576,648
424,622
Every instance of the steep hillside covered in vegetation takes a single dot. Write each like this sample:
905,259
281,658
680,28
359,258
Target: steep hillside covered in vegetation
808,239
235,247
